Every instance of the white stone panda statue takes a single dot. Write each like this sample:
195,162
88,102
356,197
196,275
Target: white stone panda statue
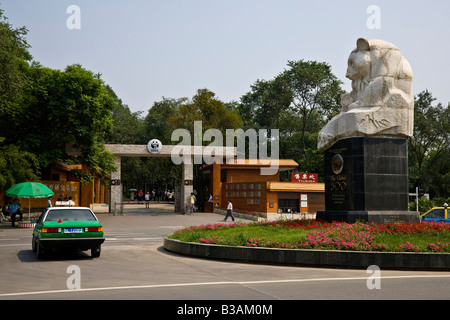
381,102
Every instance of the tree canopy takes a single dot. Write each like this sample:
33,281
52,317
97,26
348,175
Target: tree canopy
429,148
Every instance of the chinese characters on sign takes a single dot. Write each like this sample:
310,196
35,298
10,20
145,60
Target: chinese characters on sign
304,177
64,189
61,187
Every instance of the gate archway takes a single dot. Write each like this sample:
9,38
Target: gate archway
138,150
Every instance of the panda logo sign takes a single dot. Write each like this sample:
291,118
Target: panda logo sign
154,146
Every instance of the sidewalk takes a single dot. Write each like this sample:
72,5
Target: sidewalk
140,209
136,208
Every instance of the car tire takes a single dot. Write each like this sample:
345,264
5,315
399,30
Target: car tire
40,251
95,252
33,245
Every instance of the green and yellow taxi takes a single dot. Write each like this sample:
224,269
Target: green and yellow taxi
67,228
437,214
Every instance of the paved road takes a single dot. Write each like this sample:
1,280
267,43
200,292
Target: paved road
134,265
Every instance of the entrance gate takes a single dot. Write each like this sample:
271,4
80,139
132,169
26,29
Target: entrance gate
137,150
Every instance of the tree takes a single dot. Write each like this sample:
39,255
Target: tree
207,108
161,118
314,89
127,127
16,166
429,148
267,104
213,113
14,57
297,102
65,107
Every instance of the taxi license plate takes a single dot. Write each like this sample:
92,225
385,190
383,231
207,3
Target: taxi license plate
73,230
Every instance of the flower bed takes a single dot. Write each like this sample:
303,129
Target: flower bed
311,234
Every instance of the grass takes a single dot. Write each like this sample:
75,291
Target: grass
419,241
237,234
309,234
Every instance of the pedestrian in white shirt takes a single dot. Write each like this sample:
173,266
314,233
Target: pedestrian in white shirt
49,202
229,211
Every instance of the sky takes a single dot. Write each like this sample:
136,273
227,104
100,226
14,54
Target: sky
149,49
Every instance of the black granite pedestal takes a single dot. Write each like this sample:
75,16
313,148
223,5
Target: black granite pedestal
366,179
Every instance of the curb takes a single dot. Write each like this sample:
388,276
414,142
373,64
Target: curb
313,258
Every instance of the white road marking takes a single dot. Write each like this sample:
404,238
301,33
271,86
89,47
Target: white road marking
134,239
151,286
15,245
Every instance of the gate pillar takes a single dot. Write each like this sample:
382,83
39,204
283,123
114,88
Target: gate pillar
116,206
187,184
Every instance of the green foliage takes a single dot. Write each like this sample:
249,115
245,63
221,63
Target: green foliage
238,234
425,204
297,102
65,107
14,56
205,107
16,166
161,118
313,87
128,127
429,148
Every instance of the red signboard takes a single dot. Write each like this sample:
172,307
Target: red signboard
304,177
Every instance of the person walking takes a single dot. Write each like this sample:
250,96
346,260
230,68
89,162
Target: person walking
192,200
147,200
229,211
